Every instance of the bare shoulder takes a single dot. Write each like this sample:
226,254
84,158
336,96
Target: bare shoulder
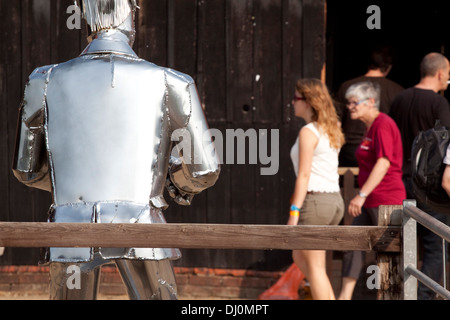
307,132
308,137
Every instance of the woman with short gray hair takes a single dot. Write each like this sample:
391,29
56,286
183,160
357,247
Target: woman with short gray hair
364,91
380,158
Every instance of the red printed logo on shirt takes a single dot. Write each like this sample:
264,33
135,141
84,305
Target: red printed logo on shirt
365,144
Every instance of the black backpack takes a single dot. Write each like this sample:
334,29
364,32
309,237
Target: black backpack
428,152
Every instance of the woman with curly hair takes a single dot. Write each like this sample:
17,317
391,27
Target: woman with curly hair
316,199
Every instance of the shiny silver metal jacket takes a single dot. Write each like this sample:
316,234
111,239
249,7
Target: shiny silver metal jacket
96,131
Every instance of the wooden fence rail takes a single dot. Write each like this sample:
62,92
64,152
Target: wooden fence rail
204,236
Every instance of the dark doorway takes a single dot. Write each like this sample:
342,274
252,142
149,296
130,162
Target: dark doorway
411,29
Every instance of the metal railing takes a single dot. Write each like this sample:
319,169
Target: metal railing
411,216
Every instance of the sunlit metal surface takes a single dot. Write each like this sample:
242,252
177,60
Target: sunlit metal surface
96,132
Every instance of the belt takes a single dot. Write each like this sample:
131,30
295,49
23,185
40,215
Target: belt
322,192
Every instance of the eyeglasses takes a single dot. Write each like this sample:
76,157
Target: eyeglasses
357,103
299,98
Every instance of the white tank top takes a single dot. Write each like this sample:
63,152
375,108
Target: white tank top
324,171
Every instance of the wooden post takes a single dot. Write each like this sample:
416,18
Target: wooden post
389,263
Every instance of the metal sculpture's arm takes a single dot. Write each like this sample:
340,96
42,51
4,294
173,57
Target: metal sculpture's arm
194,164
30,164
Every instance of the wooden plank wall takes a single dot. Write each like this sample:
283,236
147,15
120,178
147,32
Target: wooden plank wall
245,56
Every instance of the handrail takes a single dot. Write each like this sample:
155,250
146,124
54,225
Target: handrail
412,215
430,283
428,221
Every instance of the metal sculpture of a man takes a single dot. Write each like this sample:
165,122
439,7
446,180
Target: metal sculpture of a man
96,132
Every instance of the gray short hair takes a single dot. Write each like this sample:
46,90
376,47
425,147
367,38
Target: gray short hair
365,90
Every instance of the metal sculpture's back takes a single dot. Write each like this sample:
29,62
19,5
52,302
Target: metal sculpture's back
96,132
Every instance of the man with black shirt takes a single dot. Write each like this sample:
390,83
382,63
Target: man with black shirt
414,110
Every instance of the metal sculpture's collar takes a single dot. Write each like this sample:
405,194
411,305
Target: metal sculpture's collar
109,41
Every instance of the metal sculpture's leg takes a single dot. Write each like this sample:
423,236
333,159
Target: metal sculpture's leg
71,282
148,280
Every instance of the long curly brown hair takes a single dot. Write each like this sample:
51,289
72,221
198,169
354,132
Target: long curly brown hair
318,97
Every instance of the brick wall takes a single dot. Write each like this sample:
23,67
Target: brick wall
193,283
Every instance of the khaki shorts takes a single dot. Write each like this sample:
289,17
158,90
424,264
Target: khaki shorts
322,209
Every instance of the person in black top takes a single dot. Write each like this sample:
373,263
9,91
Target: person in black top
414,110
417,108
380,65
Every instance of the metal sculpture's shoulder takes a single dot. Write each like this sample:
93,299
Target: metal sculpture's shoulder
37,80
35,91
177,76
41,73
